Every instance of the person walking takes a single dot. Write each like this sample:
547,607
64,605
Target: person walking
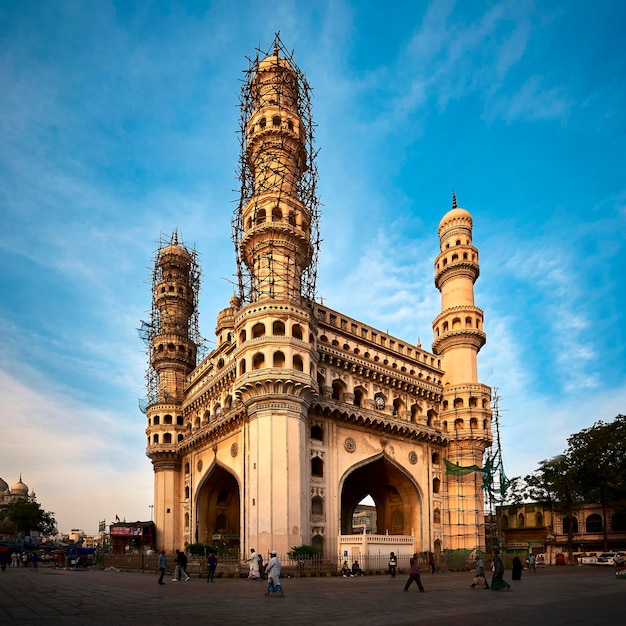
479,571
393,563
162,563
432,568
212,562
254,573
517,568
497,581
414,574
181,564
272,571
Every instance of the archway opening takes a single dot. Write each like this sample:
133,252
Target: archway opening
389,490
218,506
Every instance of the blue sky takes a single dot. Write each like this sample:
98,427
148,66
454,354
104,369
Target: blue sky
118,123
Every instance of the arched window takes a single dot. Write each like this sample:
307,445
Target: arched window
167,438
505,521
258,361
167,419
337,390
521,520
538,519
317,432
296,331
156,420
258,330
187,491
570,525
278,328
155,438
186,520
180,438
242,366
436,485
359,397
431,416
317,467
435,458
618,521
279,359
298,364
242,336
317,506
260,216
277,214
437,516
593,523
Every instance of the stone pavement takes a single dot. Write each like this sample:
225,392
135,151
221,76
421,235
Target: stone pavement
554,595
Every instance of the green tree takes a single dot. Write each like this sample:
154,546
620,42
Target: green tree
29,516
597,457
553,484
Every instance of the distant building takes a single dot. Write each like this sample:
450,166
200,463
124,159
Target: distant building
19,491
364,519
129,538
536,528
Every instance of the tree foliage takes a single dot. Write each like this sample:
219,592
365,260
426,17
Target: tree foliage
29,516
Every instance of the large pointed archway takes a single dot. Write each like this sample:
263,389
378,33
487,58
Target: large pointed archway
218,510
395,494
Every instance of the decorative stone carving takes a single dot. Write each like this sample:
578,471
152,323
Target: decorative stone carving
349,444
234,449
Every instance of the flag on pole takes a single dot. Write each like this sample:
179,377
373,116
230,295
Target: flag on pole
117,519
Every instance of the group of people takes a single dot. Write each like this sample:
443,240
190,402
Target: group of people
497,580
180,569
17,559
347,571
271,571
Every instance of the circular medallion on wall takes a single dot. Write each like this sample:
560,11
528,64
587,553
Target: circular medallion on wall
234,450
412,458
349,444
199,465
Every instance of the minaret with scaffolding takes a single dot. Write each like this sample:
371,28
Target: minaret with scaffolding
276,241
466,412
172,340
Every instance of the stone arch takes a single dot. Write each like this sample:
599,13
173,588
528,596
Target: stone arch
218,508
397,497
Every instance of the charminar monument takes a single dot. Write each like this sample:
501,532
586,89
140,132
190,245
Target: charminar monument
272,439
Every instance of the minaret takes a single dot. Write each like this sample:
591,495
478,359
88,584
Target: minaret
466,414
275,246
276,333
173,357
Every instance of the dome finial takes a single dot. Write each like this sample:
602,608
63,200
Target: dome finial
175,237
454,206
276,39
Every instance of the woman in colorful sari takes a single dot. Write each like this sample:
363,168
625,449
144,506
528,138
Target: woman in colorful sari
498,582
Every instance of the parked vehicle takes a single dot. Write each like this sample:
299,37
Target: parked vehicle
609,558
540,560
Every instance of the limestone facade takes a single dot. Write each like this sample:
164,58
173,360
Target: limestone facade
300,412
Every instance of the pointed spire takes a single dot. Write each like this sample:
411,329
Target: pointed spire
454,206
175,237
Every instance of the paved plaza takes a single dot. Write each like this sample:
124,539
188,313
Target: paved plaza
554,595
